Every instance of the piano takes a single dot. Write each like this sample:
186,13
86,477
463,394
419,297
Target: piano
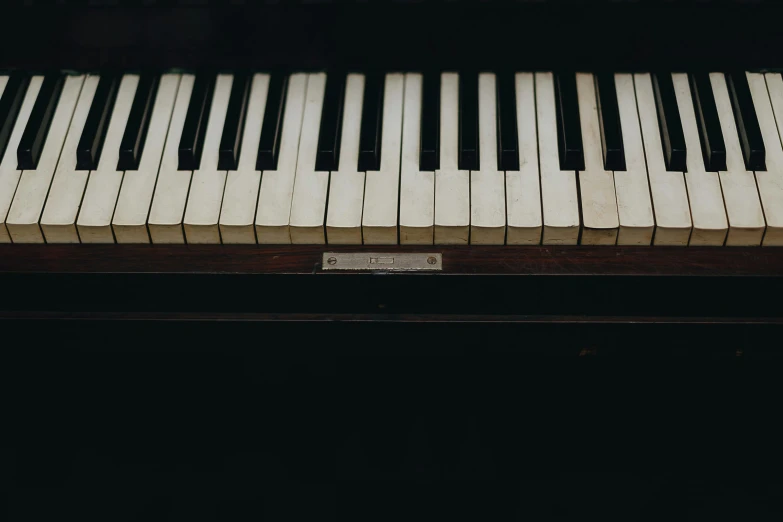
302,149
255,252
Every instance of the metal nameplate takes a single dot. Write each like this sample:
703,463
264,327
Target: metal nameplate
396,262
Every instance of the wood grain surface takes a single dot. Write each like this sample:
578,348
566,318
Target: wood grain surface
306,259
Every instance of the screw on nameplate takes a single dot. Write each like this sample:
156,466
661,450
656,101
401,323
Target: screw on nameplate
383,261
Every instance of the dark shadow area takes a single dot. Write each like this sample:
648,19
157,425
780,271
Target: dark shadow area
251,421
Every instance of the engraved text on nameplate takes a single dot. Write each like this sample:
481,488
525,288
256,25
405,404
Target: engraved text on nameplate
382,261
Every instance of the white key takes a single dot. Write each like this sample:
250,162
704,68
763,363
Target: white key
452,186
171,190
28,203
634,207
202,213
558,187
740,195
488,184
308,205
133,204
669,195
381,190
596,185
766,99
58,221
523,189
238,212
346,184
103,187
3,83
707,211
9,175
277,187
417,188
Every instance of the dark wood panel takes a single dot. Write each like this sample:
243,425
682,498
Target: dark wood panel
381,318
306,259
593,35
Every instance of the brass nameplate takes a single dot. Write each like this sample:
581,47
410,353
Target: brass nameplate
396,262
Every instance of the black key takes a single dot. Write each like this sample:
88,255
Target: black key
508,142
191,144
609,122
34,136
713,147
468,122
669,123
272,127
569,130
88,151
429,151
747,123
331,128
10,103
231,140
139,118
372,123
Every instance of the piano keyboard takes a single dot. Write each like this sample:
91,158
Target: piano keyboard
449,158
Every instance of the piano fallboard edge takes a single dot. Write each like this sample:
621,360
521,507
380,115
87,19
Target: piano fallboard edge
457,260
621,297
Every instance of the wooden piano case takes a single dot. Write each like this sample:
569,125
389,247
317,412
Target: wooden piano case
577,299
248,380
